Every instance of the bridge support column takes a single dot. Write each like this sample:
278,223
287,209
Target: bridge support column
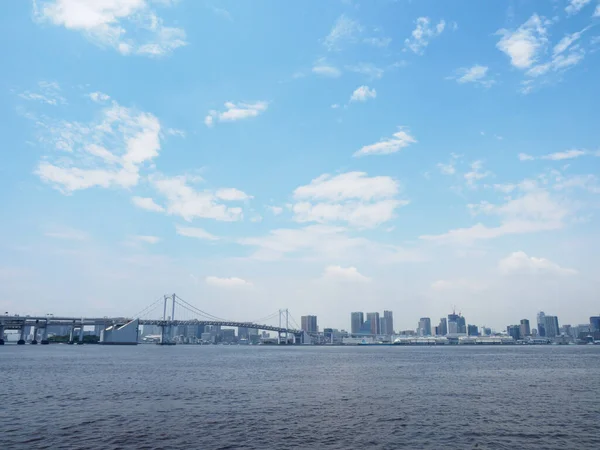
21,340
1,334
35,330
44,340
71,335
80,341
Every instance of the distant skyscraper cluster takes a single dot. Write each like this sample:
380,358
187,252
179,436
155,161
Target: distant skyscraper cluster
373,324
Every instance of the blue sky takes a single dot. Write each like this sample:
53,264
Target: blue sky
322,156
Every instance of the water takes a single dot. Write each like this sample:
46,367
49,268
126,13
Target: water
209,397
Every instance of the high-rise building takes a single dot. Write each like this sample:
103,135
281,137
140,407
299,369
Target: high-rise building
424,326
461,324
595,323
373,319
525,329
452,327
541,324
443,327
472,330
309,324
356,321
551,326
387,323
514,331
243,333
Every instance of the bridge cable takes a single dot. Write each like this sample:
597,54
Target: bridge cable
145,310
199,311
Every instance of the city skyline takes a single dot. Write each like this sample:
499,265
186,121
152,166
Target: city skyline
391,156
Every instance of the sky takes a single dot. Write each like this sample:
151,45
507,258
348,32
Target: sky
326,157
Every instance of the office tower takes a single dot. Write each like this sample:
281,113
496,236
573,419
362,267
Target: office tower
373,319
461,324
472,330
486,331
443,327
387,323
424,326
309,324
595,323
514,331
356,321
551,326
525,329
541,324
452,327
243,333
435,331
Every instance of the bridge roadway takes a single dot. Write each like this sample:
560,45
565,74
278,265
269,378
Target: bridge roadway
17,322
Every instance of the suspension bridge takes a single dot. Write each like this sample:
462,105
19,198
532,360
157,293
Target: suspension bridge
168,313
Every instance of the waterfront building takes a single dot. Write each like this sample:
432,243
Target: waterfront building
452,327
472,330
514,331
435,331
461,324
309,324
551,326
486,331
443,327
387,323
595,323
525,329
373,320
243,333
424,326
356,321
541,324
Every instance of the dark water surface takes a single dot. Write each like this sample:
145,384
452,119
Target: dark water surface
208,397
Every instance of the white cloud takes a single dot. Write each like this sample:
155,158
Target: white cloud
447,169
129,26
525,43
147,239
69,234
378,41
84,161
597,11
520,263
476,173
48,92
575,6
350,185
276,210
422,34
235,112
461,284
351,197
194,232
232,282
175,132
535,210
362,94
387,146
371,71
346,274
344,30
335,106
99,97
222,13
525,157
474,74
557,156
147,203
184,201
232,194
568,154
325,243
323,68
